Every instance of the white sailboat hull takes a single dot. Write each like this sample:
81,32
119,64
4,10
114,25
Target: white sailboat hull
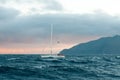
52,56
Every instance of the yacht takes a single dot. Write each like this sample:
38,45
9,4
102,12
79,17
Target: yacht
51,54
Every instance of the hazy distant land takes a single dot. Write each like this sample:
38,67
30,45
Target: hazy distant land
104,45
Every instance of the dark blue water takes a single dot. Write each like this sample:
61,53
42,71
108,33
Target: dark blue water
31,67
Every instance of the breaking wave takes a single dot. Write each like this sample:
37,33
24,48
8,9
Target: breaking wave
31,67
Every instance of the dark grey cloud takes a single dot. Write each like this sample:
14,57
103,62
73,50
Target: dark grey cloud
48,4
8,13
36,28
52,5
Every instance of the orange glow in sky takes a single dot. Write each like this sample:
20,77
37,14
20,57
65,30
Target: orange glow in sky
31,50
43,49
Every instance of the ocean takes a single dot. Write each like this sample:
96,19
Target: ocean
32,67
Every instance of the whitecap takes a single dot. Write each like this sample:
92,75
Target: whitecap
39,67
12,58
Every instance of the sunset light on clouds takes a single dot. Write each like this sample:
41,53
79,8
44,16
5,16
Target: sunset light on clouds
25,24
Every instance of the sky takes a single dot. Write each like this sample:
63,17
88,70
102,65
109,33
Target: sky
25,24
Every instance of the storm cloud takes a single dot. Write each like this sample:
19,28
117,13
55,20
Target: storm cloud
8,13
51,5
36,28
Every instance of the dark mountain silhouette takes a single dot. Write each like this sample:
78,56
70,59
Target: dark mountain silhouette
105,45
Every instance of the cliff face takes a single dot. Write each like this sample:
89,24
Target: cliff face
105,45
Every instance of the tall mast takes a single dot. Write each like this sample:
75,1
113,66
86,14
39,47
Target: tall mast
51,42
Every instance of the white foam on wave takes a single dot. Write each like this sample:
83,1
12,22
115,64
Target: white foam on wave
13,58
40,67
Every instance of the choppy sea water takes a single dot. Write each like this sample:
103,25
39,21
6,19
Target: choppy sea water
31,67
